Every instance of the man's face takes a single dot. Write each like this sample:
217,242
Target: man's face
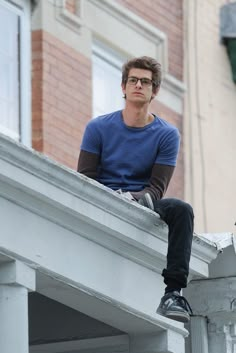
139,90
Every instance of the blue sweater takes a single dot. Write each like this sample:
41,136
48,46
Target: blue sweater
127,154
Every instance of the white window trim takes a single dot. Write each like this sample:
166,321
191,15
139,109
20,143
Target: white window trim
129,20
111,57
151,42
22,8
72,21
106,53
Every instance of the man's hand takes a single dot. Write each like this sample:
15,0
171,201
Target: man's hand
126,195
146,201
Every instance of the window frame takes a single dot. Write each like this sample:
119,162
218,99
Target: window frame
23,10
111,57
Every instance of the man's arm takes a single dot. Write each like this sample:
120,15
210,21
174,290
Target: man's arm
159,181
88,164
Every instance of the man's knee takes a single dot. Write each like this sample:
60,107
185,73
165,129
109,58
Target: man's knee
181,207
185,207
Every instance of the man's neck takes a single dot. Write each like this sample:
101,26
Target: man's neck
137,117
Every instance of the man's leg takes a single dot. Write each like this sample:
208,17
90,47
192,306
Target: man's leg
179,217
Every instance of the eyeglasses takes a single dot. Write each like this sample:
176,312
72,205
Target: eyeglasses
145,82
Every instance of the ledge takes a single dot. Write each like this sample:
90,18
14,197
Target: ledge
115,216
65,223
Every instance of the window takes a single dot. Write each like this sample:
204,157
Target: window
15,70
107,93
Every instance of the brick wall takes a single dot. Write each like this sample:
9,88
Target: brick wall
166,15
61,98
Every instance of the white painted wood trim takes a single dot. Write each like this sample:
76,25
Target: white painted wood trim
116,210
17,273
199,334
68,19
94,345
69,206
139,25
98,195
23,8
172,90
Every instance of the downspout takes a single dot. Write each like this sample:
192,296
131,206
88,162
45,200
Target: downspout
199,334
228,33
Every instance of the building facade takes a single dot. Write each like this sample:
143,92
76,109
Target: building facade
209,118
80,267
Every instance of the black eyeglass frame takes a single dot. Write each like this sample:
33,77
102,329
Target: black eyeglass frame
146,82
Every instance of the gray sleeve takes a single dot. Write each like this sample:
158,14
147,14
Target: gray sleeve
159,181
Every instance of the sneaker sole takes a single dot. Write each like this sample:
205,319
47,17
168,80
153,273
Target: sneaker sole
177,316
185,318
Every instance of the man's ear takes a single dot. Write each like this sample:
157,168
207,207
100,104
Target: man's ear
123,87
155,92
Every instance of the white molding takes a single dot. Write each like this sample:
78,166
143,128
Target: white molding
93,345
150,252
106,53
17,273
22,9
199,334
25,71
8,132
62,24
221,240
140,26
72,21
204,249
66,210
163,342
172,90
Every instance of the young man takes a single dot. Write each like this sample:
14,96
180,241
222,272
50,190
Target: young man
136,151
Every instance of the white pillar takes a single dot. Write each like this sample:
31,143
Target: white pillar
214,298
199,334
15,281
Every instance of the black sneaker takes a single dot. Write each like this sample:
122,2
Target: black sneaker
146,201
175,307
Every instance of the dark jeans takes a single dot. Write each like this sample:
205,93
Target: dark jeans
179,217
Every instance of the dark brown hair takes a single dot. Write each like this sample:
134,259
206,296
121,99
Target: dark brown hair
146,63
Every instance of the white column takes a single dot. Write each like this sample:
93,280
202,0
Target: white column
199,334
214,298
15,281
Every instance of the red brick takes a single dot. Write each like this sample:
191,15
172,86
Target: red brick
61,98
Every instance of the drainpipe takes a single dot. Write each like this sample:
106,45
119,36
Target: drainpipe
199,334
228,33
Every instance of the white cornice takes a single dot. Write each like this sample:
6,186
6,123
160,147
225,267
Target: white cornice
220,240
122,225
